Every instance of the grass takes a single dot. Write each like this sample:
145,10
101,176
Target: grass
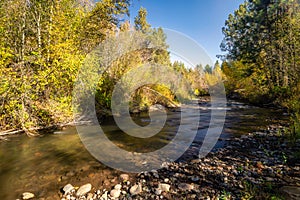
265,191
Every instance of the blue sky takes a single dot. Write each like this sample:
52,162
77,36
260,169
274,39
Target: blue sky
201,20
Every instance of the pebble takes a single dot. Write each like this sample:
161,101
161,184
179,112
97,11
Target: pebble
136,189
115,193
27,195
164,187
68,188
185,186
83,190
118,187
124,177
104,196
158,191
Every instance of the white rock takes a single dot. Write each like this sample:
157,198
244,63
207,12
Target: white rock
136,189
118,187
68,188
115,193
104,196
28,195
89,196
164,187
84,189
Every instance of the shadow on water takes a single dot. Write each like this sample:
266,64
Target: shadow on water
43,165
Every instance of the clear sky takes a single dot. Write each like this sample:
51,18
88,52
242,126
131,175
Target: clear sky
201,20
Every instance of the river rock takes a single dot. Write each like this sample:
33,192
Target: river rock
195,178
68,188
84,189
27,195
124,177
104,196
164,187
118,187
185,186
115,193
158,191
136,189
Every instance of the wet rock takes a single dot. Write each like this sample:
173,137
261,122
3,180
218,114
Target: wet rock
83,190
70,173
27,195
136,189
67,188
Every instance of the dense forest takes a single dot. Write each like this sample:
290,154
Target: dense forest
44,43
262,64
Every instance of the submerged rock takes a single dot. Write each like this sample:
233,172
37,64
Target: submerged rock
27,195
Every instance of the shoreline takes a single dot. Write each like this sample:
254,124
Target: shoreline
59,126
261,165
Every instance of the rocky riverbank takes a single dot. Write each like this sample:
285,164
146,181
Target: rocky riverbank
260,165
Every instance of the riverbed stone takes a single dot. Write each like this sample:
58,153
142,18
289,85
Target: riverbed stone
27,195
124,177
67,188
104,196
83,190
185,186
115,193
118,187
164,187
136,189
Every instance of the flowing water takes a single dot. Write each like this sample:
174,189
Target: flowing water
43,165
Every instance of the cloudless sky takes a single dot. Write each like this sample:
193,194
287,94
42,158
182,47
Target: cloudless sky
201,20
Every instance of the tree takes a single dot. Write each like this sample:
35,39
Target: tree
264,36
140,21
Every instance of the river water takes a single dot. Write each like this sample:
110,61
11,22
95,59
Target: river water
42,165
